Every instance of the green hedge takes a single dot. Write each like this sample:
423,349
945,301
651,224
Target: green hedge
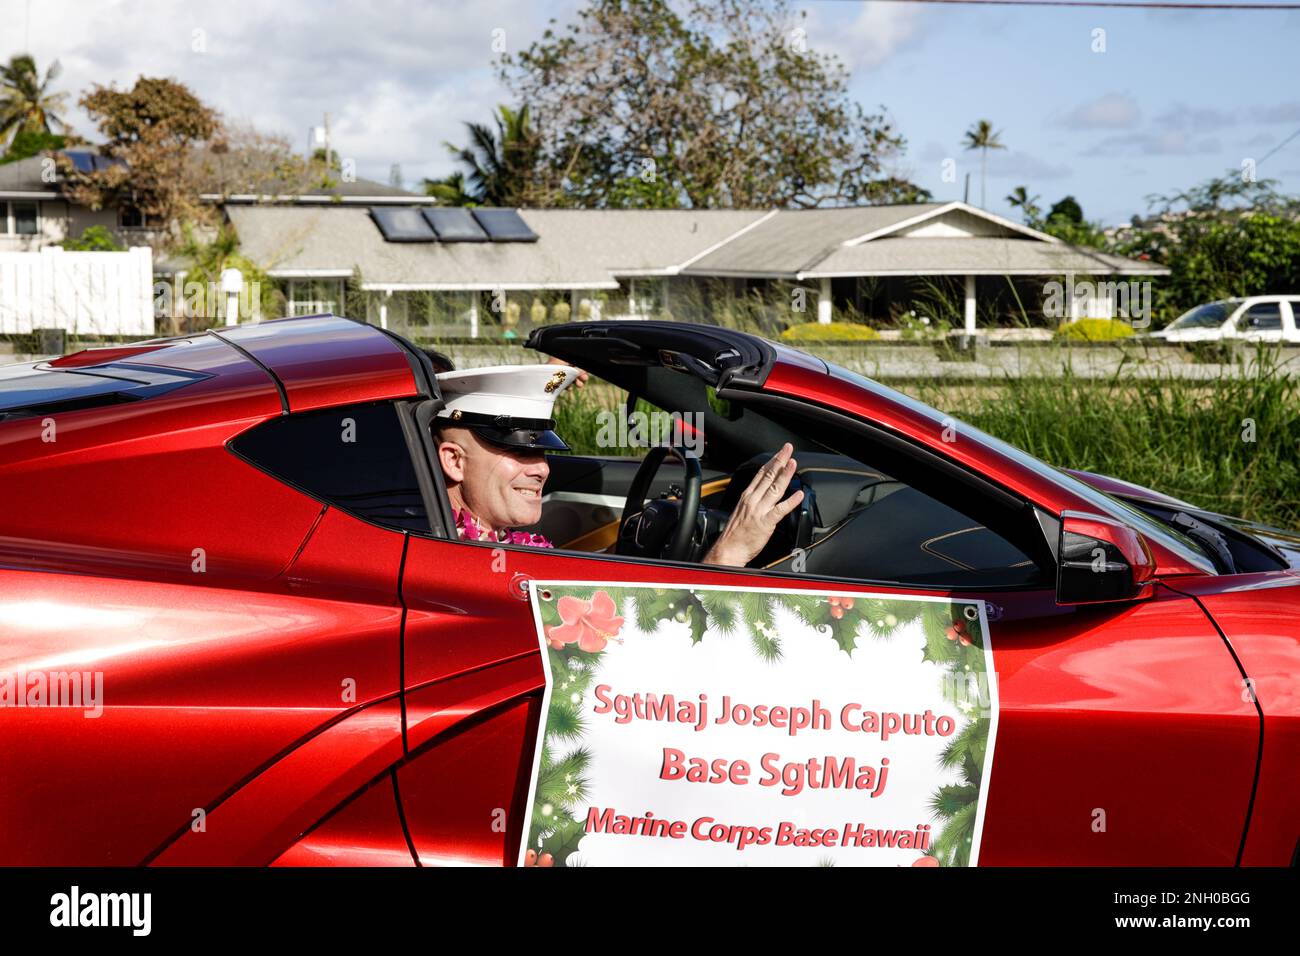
829,332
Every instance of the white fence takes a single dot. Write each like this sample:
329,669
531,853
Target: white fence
85,293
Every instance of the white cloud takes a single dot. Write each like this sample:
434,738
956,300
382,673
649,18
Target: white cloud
1020,165
1184,117
397,79
874,35
1111,111
1166,143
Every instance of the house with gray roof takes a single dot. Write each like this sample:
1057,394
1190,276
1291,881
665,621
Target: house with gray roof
35,214
869,261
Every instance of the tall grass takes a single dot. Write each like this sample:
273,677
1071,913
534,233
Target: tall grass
1184,437
1191,439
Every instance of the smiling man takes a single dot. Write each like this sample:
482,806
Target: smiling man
492,435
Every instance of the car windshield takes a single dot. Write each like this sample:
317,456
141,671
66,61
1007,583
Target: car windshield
1175,541
1209,316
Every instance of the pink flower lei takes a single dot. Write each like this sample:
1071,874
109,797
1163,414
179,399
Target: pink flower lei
467,527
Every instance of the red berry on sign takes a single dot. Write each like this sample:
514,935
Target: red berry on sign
965,641
530,858
835,602
951,633
546,860
837,612
926,861
960,625
847,603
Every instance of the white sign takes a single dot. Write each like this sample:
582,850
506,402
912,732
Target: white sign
705,726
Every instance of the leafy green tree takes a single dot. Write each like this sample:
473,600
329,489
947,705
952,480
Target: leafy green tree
1066,209
500,167
983,137
152,130
208,255
28,143
1225,237
1066,222
26,102
697,104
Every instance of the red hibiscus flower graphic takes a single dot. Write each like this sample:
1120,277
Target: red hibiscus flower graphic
590,623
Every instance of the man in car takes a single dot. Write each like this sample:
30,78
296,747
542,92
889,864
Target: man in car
491,438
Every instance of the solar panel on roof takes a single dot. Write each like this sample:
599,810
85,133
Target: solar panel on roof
504,225
86,161
402,224
454,225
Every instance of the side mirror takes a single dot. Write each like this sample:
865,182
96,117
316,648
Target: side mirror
1100,559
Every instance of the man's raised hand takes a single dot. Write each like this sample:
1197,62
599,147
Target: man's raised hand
758,512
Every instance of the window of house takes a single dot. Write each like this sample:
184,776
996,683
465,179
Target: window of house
19,218
26,218
129,217
315,296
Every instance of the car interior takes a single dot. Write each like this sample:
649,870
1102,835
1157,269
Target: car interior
875,507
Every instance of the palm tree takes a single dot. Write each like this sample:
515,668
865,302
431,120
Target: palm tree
449,191
982,136
1027,204
26,103
500,166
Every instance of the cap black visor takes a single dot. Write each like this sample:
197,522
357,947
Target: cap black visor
521,439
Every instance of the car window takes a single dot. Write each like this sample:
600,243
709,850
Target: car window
354,458
871,516
1261,317
1209,316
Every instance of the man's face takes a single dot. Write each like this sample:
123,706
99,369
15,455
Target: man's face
501,487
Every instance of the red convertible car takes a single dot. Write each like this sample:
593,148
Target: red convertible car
226,558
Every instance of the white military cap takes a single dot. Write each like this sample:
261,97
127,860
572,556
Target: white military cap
507,404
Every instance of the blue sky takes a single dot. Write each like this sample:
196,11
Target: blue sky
1176,97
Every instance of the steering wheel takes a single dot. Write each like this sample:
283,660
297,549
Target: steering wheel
646,526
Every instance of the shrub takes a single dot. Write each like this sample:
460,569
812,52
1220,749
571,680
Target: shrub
1095,330
93,239
829,332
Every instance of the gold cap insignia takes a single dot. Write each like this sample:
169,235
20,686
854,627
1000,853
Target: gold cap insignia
556,381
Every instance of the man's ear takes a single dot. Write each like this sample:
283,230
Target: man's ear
451,457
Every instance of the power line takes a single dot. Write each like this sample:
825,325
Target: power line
1124,4
1260,161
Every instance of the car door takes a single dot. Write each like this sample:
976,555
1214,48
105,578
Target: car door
1260,322
1109,714
1292,320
